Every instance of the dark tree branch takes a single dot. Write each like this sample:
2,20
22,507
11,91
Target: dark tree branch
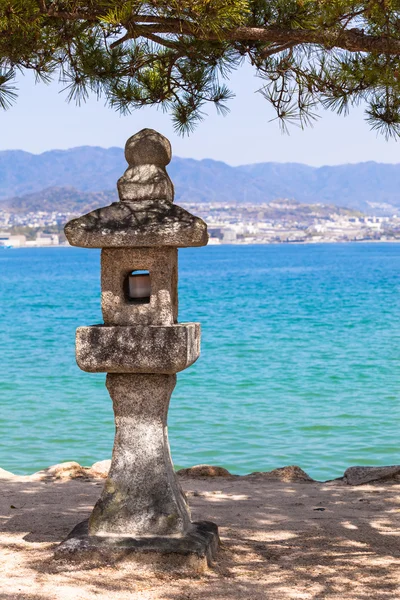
125,38
274,49
352,40
158,40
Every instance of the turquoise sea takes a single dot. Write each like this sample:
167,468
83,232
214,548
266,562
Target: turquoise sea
300,359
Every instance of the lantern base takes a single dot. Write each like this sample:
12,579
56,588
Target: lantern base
192,552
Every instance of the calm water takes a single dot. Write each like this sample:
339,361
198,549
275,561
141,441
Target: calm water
300,359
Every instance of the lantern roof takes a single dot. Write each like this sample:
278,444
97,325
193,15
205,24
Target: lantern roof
145,214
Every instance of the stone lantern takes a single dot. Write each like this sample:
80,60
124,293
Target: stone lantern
142,511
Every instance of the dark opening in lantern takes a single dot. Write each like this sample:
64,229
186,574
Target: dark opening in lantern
138,287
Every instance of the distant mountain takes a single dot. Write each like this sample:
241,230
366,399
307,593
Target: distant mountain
87,168
59,199
369,187
70,200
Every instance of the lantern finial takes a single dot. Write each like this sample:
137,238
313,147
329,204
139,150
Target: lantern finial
148,147
147,153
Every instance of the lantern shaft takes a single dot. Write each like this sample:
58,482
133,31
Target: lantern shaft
133,502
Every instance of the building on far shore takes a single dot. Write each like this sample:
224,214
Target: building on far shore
8,240
44,239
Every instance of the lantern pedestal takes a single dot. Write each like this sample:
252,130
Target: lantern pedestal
194,551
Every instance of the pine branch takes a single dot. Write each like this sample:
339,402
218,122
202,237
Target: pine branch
334,53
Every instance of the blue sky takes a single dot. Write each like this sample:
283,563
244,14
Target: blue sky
42,120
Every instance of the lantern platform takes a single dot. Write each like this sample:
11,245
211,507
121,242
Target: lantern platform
195,550
137,348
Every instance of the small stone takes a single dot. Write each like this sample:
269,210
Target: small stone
6,474
100,468
204,471
362,475
290,474
65,470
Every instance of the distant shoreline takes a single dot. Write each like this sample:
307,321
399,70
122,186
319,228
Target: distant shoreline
294,243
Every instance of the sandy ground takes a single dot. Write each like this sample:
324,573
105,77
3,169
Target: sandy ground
279,541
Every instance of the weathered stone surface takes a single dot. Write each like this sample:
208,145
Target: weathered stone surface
193,551
142,495
145,182
148,223
137,348
362,475
291,473
204,471
162,264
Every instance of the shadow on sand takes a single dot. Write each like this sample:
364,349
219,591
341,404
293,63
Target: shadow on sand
279,540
